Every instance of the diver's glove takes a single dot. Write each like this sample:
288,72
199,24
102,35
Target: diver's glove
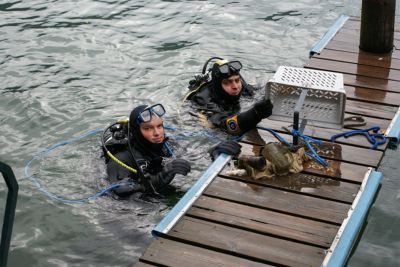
127,186
229,147
263,109
249,119
178,166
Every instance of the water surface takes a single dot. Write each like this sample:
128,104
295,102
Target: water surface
69,67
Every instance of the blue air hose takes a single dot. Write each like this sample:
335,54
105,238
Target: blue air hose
375,138
314,155
54,196
169,150
101,192
186,134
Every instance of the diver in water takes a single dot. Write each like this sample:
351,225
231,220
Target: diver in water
216,95
138,156
137,152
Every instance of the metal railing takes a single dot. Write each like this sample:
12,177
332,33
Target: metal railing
9,212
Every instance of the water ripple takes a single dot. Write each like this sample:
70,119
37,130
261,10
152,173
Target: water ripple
67,67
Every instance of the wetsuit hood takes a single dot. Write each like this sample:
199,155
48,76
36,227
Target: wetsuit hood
221,96
218,93
154,152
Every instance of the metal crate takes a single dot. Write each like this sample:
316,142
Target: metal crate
324,103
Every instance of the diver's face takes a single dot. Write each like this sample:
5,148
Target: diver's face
153,131
232,85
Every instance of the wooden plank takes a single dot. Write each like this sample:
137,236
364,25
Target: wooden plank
354,69
347,35
306,184
326,133
363,58
352,47
264,221
277,200
247,244
354,33
142,264
372,83
341,152
336,169
371,122
371,110
355,23
172,253
373,96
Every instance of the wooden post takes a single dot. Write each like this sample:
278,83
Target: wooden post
377,25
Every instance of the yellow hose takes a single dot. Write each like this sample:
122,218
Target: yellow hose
121,163
184,99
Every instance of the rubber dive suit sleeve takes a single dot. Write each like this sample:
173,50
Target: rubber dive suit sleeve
242,122
168,172
160,180
249,119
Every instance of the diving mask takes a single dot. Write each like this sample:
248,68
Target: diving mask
227,69
146,115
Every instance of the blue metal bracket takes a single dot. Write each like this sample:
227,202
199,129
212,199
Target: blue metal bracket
342,245
191,195
328,35
9,212
393,131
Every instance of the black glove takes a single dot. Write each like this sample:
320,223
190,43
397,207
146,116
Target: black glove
249,119
128,187
263,109
230,147
176,166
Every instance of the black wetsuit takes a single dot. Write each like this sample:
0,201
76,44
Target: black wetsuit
223,110
147,158
155,177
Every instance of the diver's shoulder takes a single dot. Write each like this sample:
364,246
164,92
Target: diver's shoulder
202,95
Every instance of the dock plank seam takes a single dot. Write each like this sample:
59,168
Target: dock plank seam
271,209
283,189
256,231
221,250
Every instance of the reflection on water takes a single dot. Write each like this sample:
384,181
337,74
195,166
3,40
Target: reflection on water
68,69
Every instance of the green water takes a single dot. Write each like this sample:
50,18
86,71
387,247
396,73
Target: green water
69,67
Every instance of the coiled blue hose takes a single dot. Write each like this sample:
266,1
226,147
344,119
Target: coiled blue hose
54,196
104,191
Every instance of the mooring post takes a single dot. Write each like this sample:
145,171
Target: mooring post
377,25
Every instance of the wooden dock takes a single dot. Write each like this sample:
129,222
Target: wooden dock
301,219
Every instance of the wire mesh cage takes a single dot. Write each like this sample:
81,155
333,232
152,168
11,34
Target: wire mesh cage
325,100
